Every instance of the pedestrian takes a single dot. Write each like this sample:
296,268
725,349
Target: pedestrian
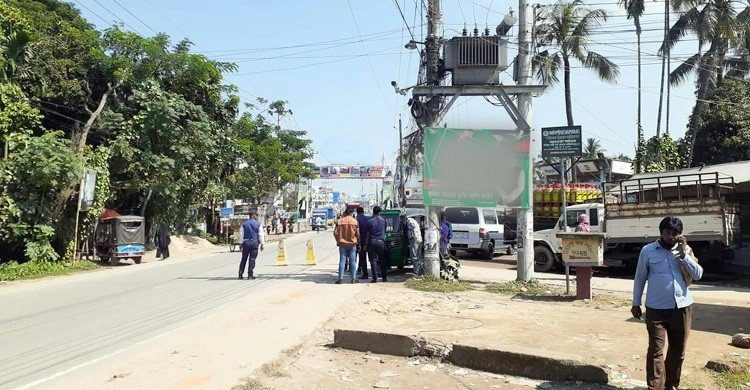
362,248
414,234
376,245
664,265
583,224
347,238
162,241
318,223
446,233
252,238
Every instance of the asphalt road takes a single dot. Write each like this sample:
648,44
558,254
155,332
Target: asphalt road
51,327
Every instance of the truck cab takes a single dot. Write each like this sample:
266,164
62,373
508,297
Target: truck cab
548,247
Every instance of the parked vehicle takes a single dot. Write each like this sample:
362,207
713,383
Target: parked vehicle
120,237
634,208
396,239
477,230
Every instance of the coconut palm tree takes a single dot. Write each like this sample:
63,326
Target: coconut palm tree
715,24
16,51
564,31
592,148
634,10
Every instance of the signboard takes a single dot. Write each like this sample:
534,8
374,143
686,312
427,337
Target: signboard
341,171
336,197
88,189
226,212
582,249
476,168
562,141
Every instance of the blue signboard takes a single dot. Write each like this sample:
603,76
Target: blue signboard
225,212
336,197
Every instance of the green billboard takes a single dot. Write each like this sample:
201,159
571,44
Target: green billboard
476,168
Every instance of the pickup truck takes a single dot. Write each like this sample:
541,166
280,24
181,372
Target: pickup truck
632,212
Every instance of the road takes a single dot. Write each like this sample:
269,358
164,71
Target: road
53,331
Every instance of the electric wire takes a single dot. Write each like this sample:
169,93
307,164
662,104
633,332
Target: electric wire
136,17
401,12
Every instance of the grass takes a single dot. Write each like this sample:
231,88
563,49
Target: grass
530,288
38,269
732,381
437,285
274,369
251,384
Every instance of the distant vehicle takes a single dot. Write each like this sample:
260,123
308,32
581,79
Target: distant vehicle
120,237
477,230
323,214
634,209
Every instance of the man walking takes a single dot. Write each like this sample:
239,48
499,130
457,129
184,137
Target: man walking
162,240
376,245
665,264
347,239
362,248
252,238
446,233
414,233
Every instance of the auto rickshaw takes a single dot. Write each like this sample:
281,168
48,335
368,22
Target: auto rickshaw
396,239
120,237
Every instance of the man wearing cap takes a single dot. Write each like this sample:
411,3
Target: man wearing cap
252,238
376,245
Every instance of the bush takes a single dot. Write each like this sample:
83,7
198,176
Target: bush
39,269
437,285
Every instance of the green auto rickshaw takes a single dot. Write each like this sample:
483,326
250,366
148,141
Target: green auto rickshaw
396,240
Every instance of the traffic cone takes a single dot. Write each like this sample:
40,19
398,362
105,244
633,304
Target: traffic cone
281,258
311,253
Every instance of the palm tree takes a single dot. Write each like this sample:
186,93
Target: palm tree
635,9
715,24
565,30
16,51
592,148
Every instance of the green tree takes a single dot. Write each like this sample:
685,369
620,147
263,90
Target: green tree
724,135
592,148
663,153
565,32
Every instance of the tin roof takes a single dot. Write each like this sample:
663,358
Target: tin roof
739,170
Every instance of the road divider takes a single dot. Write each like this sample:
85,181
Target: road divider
311,253
281,257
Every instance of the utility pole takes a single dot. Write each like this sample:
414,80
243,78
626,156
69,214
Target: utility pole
432,61
525,269
279,113
401,169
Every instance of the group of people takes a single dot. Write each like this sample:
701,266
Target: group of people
361,237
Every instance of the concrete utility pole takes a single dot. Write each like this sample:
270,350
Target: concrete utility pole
401,170
525,232
432,60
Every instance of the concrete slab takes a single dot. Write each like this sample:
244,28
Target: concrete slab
376,342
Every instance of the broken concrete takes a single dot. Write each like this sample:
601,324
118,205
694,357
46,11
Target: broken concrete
535,365
741,340
376,342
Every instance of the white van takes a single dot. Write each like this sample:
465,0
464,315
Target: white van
476,230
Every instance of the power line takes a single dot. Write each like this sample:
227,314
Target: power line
356,25
92,12
136,17
401,12
115,15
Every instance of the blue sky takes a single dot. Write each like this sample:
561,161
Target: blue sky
337,75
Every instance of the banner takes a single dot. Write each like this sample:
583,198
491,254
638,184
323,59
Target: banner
476,168
340,171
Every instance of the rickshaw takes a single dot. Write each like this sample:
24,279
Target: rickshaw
396,240
120,237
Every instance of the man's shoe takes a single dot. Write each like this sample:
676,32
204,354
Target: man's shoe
374,281
355,281
385,279
251,277
240,277
338,281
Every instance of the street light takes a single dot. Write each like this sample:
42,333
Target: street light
412,44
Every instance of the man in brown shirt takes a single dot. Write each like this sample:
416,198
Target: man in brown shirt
347,239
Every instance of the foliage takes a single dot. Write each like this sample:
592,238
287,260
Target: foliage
437,285
731,380
530,288
664,154
38,269
724,135
449,267
592,148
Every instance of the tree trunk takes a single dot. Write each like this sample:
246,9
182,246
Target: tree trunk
715,54
663,66
568,104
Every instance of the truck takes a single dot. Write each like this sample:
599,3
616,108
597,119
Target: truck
632,210
325,215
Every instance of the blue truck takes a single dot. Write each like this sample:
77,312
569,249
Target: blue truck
325,215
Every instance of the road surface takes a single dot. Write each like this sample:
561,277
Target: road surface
80,330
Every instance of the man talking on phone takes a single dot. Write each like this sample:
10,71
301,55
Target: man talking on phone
665,265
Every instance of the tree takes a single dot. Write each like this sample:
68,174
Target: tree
663,153
724,135
565,31
716,25
592,148
635,9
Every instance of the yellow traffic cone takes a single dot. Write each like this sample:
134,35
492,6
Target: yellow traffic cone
281,258
311,253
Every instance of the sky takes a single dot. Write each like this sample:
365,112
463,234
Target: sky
334,60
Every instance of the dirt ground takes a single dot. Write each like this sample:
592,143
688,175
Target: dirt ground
598,331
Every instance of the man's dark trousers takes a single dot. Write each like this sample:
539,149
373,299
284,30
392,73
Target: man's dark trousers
362,266
671,326
376,251
249,252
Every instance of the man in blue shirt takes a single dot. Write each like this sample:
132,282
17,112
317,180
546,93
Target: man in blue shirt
376,245
252,238
664,265
362,248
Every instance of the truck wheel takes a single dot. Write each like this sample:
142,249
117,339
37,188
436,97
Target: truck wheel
137,260
544,259
490,253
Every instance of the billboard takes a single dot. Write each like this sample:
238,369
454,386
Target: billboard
476,168
340,171
564,141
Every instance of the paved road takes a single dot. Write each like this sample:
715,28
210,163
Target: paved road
51,327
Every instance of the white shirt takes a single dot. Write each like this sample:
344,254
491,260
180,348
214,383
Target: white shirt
415,231
261,235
